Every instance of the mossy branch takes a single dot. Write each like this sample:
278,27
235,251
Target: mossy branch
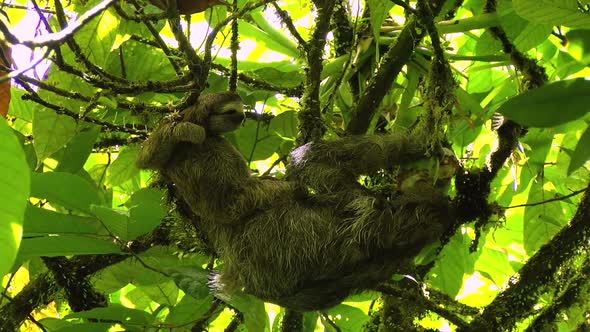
522,294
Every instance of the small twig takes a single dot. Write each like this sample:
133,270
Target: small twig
561,198
11,5
132,106
136,129
145,265
17,73
57,38
224,22
235,45
159,42
293,92
200,324
235,322
288,22
79,54
274,164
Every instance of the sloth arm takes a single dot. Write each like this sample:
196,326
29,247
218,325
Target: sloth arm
157,150
256,194
334,165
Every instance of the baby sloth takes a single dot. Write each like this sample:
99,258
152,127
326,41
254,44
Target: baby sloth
308,242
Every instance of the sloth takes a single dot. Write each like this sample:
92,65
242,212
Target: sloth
307,242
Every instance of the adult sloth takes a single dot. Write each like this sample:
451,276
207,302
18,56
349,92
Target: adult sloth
306,243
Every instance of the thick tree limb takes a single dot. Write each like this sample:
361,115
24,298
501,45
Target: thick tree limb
43,289
519,299
311,126
391,65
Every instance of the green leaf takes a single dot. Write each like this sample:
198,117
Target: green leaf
123,168
264,39
553,12
190,309
19,108
495,264
282,66
77,150
192,280
379,11
542,222
255,316
87,327
348,318
51,131
115,312
484,80
67,190
448,275
276,35
66,245
115,221
145,211
581,153
550,105
15,185
578,45
277,77
567,65
163,292
255,141
40,221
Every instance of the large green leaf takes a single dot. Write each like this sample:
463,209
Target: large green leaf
77,150
65,189
115,312
123,168
263,38
88,327
554,12
40,221
379,10
581,153
578,45
192,280
52,132
15,185
347,318
66,245
255,316
550,105
543,221
115,221
145,211
190,309
275,34
448,275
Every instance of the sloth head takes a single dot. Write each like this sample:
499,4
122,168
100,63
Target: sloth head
217,112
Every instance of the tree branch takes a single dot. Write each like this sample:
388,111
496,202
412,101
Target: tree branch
522,294
311,126
390,66
57,38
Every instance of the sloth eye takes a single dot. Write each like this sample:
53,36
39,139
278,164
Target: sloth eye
231,111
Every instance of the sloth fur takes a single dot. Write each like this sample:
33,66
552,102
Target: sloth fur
308,242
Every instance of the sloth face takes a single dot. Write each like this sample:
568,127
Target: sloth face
217,112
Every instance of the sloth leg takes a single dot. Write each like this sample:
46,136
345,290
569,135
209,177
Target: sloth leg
405,224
